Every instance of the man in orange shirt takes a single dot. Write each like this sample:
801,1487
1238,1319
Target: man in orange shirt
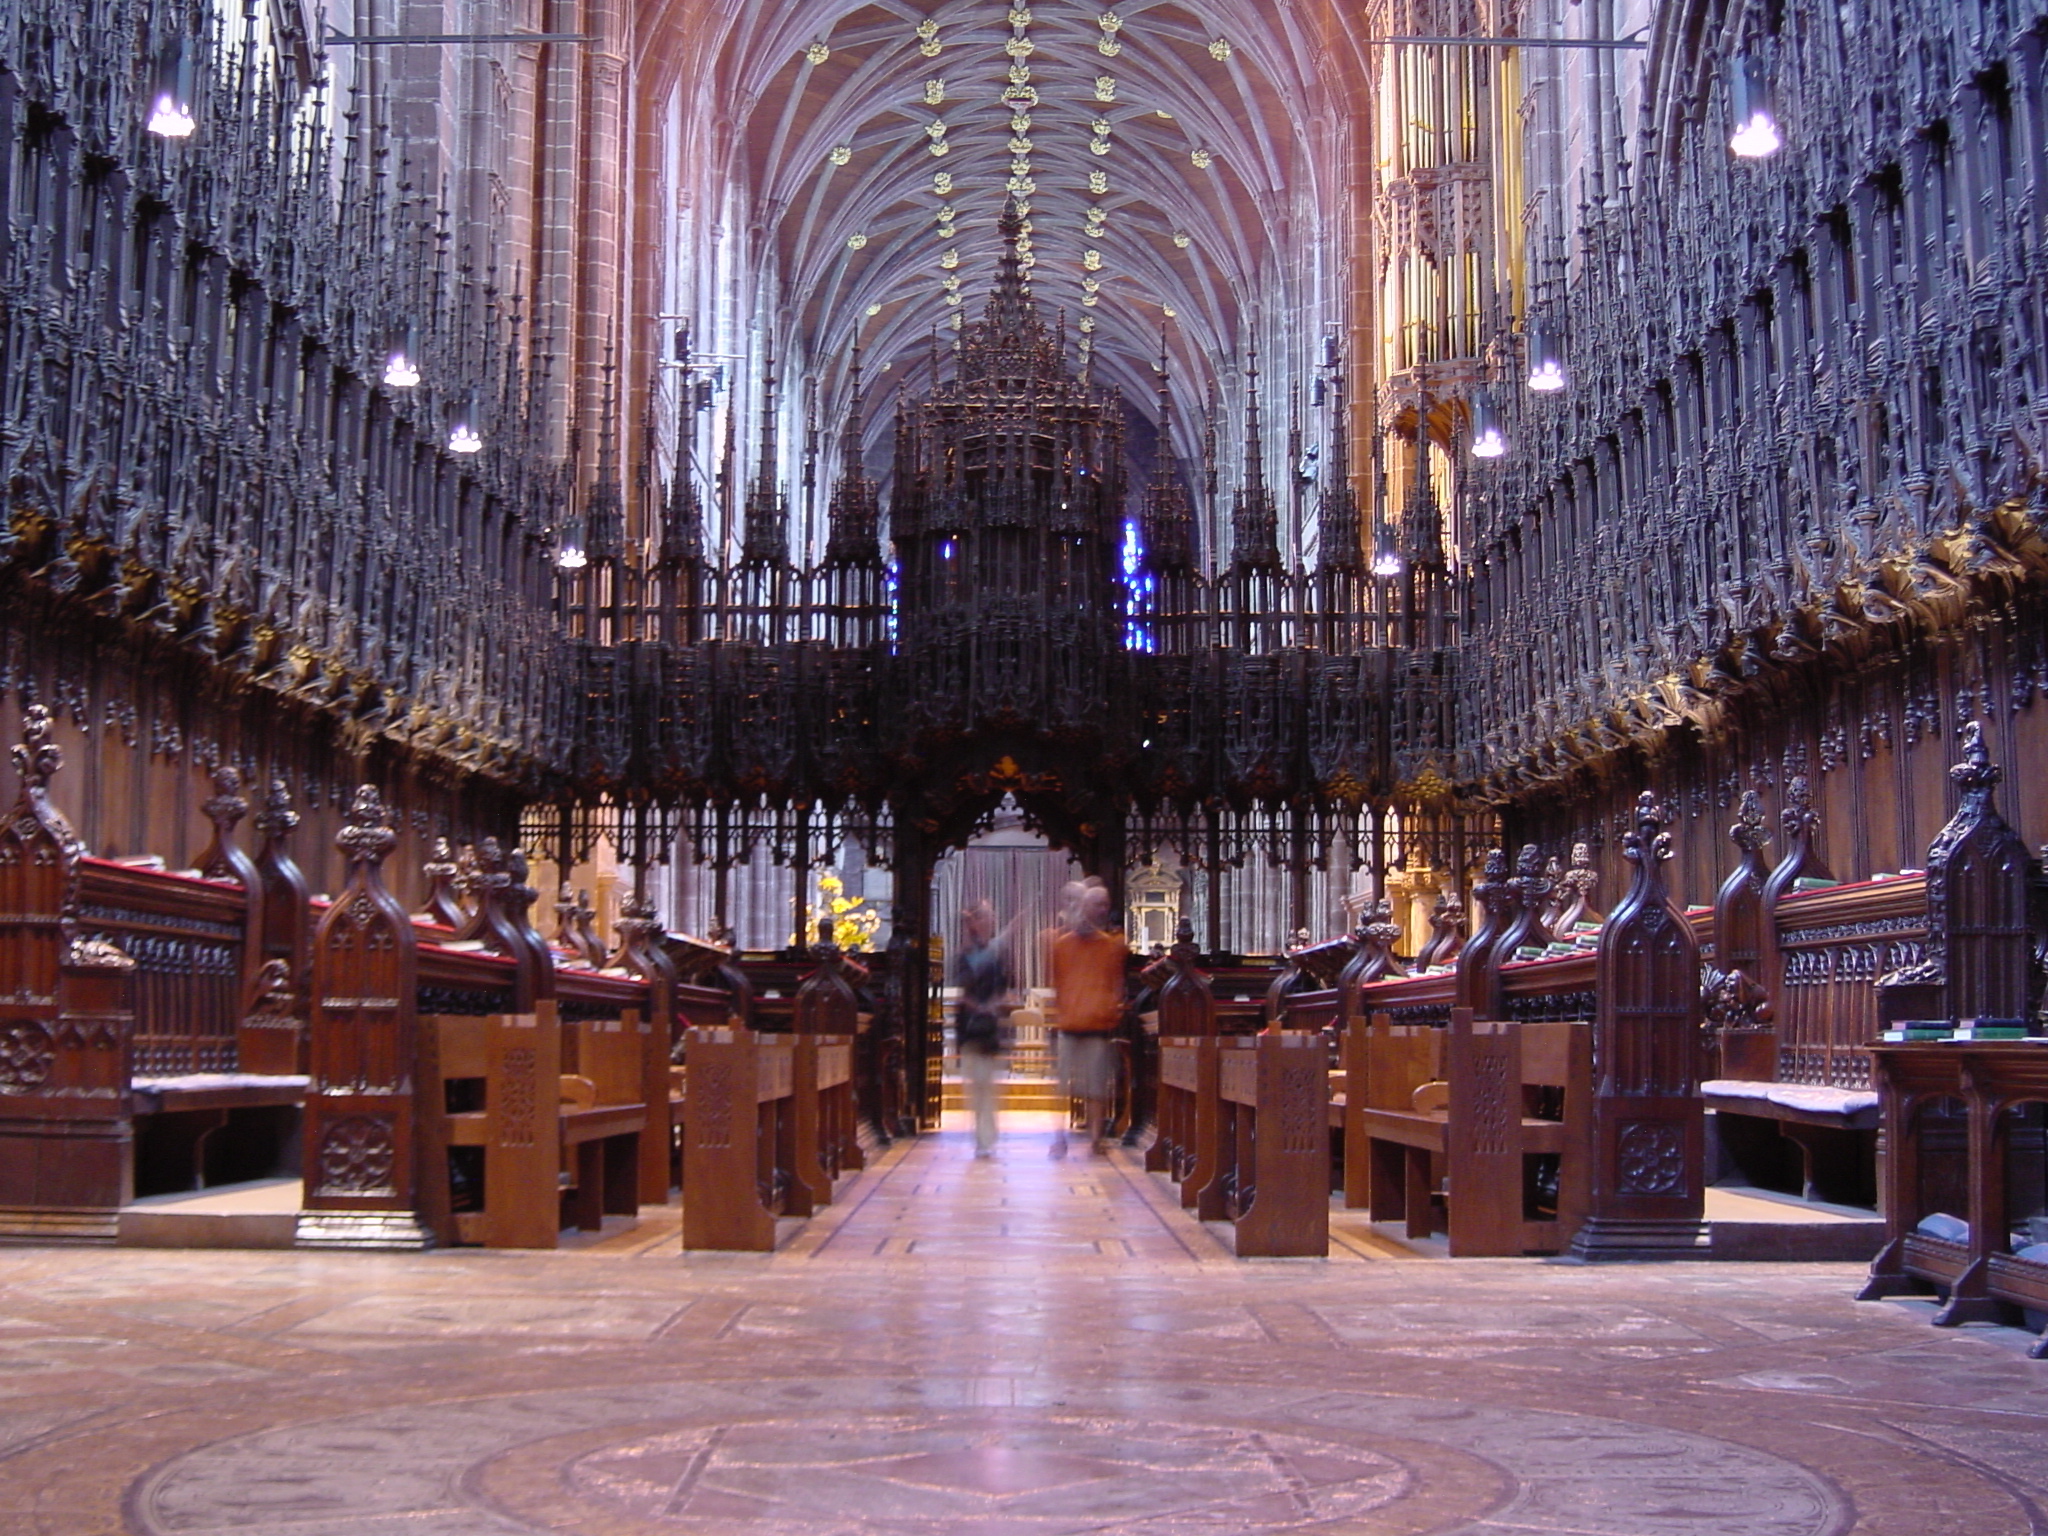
1088,990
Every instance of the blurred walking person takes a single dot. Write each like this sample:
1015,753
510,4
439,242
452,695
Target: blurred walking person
1088,990
983,975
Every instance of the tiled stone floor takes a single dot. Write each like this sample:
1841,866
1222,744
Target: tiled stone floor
1018,1348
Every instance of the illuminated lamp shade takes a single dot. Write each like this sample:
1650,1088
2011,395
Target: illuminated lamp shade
1546,365
1755,133
569,555
1386,559
401,368
463,436
170,101
1489,439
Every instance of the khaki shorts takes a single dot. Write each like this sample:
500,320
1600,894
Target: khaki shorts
1085,1064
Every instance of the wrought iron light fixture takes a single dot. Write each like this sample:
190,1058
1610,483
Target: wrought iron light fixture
463,436
401,368
170,100
1489,438
1546,362
1755,134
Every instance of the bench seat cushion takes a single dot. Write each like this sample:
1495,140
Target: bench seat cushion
217,1090
1801,1098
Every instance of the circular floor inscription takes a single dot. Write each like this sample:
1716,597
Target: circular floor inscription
923,1457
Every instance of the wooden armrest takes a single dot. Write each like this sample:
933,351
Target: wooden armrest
1431,1098
578,1092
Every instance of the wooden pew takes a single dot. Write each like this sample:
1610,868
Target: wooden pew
770,1123
545,1100
1645,1188
825,1141
1479,1102
738,1136
1185,1145
1242,1126
1273,1142
614,1095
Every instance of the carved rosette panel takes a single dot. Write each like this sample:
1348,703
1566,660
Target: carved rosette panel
1650,1158
27,1053
358,1156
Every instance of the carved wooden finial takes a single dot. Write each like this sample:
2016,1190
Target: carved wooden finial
1380,935
442,870
1579,884
1185,951
1749,831
36,757
1478,984
1976,774
1528,896
277,816
585,931
1446,930
1648,844
1799,817
638,928
366,834
565,923
225,808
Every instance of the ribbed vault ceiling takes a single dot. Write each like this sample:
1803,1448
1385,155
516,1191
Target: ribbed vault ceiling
1178,163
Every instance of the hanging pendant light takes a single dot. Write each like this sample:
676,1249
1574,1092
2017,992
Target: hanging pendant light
571,556
1546,362
170,99
1386,558
1489,438
1755,134
401,368
463,436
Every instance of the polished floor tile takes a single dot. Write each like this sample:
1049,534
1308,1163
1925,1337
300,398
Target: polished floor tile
1019,1345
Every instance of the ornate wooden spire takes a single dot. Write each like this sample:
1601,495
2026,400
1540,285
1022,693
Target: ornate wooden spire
682,517
855,513
1338,529
1010,348
1168,519
604,517
765,536
1254,519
